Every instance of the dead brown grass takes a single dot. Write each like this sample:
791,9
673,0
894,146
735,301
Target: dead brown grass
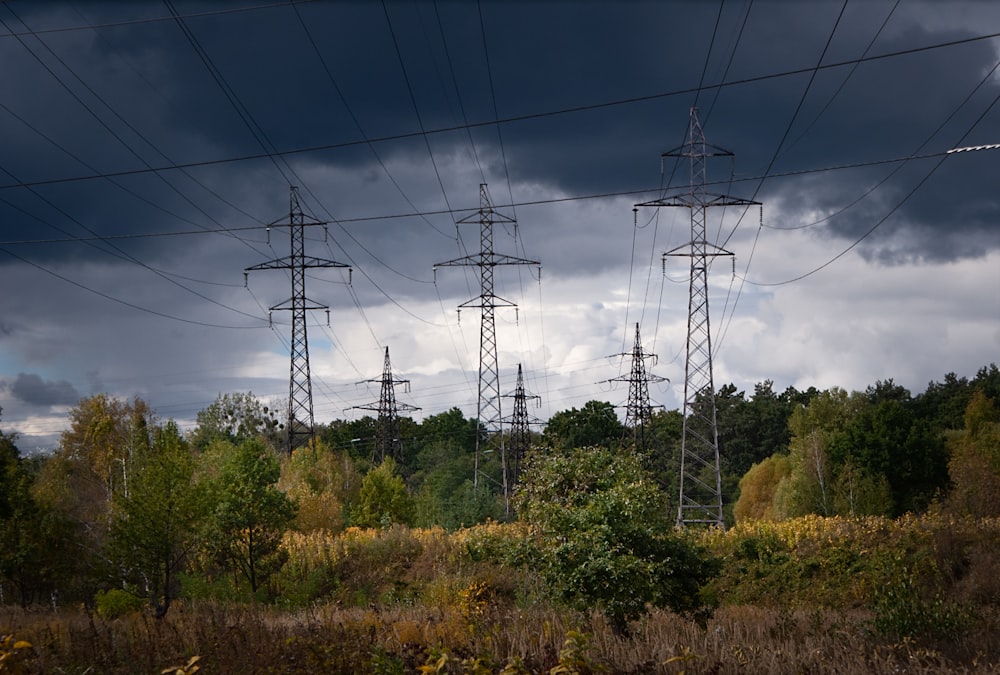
329,639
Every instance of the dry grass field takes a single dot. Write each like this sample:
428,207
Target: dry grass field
814,595
329,639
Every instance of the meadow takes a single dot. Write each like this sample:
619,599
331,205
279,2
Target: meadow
817,595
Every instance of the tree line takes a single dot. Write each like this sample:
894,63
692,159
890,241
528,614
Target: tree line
128,501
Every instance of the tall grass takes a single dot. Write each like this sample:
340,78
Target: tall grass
330,639
813,595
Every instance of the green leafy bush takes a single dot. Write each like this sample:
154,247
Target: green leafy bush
604,539
116,602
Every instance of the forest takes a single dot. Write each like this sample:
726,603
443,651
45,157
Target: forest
863,535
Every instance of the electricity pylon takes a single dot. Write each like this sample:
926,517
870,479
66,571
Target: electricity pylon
520,433
300,404
388,441
488,405
638,411
700,499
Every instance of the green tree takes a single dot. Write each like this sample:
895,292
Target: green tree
104,434
758,488
383,499
595,424
885,437
603,536
809,486
450,429
441,471
355,437
249,513
858,492
662,457
974,467
751,430
156,519
237,417
76,487
323,483
943,403
26,557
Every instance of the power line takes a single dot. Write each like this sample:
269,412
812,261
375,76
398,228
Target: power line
107,296
507,120
413,100
770,165
941,155
532,202
159,19
357,123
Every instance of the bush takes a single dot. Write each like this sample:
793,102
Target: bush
604,539
902,612
116,602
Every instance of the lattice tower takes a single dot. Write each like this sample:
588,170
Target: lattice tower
488,411
520,432
388,440
638,410
700,499
300,422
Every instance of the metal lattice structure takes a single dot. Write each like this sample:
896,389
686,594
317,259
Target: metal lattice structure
488,404
700,499
388,441
520,432
300,423
638,410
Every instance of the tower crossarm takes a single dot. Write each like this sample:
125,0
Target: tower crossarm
685,200
486,302
288,262
694,251
477,259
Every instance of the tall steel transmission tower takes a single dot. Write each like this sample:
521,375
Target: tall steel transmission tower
300,404
520,432
388,441
638,410
700,499
488,405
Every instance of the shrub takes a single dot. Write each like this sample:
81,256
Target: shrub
116,602
604,540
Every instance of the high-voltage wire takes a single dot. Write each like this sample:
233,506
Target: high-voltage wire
520,118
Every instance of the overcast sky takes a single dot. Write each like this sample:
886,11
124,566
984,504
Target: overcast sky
144,147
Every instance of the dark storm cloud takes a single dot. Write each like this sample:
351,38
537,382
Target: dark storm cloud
271,89
589,94
31,389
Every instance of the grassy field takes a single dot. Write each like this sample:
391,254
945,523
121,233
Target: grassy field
914,595
330,639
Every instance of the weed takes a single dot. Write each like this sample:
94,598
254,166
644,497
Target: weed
573,657
189,668
14,655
